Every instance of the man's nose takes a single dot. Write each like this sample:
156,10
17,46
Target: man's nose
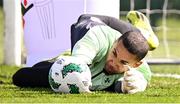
115,63
126,67
111,61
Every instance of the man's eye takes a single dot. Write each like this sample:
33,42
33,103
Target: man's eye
114,53
124,62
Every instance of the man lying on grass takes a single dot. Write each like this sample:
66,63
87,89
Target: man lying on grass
112,49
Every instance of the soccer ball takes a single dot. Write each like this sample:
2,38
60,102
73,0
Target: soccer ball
69,75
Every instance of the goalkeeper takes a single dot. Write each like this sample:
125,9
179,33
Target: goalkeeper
113,50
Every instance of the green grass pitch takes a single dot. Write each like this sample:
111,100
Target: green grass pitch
161,90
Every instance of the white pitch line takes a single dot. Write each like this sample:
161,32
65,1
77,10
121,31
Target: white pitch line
167,75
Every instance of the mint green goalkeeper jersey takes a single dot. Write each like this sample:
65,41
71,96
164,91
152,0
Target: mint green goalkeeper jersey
93,49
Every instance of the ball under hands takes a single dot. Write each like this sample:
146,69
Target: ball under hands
70,75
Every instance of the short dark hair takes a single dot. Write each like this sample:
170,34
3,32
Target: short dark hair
135,43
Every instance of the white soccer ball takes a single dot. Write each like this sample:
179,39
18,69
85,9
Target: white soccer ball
69,75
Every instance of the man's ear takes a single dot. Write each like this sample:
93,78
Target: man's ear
137,64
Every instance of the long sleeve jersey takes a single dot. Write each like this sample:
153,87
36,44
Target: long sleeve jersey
93,49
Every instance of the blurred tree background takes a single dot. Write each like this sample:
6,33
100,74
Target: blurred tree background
1,3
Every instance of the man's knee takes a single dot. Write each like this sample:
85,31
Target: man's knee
16,78
19,78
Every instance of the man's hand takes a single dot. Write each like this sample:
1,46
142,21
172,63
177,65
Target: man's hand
133,82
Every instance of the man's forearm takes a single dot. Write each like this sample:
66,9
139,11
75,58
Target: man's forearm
112,22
